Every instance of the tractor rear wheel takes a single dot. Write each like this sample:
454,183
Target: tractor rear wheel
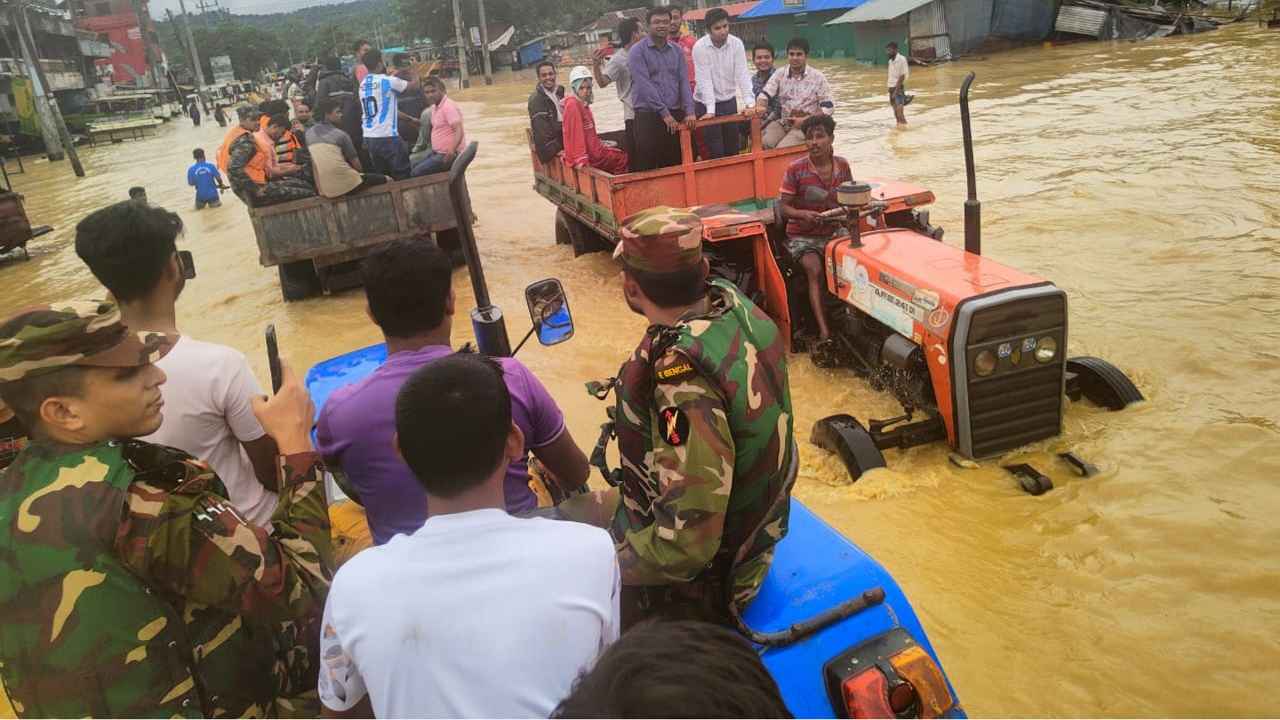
298,280
846,437
1101,382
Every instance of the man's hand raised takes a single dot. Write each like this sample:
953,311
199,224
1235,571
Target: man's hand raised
288,415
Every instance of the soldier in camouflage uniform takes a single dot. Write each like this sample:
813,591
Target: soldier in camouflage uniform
254,174
129,585
704,427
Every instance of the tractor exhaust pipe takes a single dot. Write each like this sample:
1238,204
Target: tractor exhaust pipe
972,208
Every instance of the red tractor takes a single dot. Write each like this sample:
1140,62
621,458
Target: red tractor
974,350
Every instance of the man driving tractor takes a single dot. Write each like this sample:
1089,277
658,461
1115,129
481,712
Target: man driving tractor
704,429
808,189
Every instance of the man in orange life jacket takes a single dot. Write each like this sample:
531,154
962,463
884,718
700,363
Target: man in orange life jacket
256,176
246,123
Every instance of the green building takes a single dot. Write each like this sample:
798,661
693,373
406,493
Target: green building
786,19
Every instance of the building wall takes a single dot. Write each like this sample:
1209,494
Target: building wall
824,41
871,37
129,61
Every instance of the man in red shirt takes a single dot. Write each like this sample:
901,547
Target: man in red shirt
809,188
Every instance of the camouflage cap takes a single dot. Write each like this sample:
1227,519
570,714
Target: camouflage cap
86,332
661,239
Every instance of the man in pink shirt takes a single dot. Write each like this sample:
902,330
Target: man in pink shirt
447,136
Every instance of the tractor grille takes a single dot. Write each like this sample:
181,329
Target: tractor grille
1021,401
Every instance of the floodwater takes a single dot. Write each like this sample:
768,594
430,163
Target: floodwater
1142,178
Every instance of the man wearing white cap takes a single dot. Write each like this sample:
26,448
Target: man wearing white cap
582,146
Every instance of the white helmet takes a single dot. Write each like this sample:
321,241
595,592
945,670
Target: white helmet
579,73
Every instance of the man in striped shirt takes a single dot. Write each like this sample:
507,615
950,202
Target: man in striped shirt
379,95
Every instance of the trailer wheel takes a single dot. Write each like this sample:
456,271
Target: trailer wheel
846,437
1101,382
576,233
298,280
564,235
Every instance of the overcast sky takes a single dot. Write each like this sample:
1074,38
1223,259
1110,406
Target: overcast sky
246,7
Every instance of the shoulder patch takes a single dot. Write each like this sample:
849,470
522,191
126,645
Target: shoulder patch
674,425
678,370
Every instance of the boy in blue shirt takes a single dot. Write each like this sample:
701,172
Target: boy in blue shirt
206,179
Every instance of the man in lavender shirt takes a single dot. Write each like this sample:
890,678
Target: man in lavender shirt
660,95
410,294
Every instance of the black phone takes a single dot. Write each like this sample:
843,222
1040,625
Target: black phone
273,360
187,263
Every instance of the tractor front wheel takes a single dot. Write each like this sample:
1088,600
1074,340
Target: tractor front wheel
1101,382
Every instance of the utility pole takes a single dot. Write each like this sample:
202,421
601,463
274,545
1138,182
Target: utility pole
191,41
462,44
57,140
484,46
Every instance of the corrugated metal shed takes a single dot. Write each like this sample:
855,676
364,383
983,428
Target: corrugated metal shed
879,10
769,8
1080,20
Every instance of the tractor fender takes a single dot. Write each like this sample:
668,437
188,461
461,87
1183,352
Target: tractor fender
845,436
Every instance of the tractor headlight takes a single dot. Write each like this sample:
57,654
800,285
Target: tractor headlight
985,363
1046,349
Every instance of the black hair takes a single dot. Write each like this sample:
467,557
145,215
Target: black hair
137,191
656,11
537,69
672,289
372,59
280,120
453,417
127,246
676,669
25,396
627,30
715,15
407,285
328,105
436,82
676,7
330,62
891,44
826,122
355,46
274,107
306,100
763,45
798,43
197,154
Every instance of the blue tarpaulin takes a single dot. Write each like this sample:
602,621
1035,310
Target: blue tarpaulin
768,8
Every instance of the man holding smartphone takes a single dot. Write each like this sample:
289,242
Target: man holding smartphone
209,396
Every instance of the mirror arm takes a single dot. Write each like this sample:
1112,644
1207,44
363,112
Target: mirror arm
532,330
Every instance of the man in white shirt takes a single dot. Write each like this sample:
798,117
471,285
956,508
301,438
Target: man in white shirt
616,70
379,95
208,397
478,613
898,73
720,67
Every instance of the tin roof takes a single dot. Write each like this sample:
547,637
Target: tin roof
874,10
769,8
734,10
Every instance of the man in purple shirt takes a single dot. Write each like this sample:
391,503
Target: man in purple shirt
408,286
660,95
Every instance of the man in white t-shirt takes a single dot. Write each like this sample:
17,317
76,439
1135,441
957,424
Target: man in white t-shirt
478,613
132,251
379,95
898,73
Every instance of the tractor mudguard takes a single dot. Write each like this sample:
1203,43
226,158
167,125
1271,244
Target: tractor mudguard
846,437
1101,382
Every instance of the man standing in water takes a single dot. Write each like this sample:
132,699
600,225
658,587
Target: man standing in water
705,438
898,73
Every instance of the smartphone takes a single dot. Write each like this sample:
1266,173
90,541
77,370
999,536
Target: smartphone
187,263
273,360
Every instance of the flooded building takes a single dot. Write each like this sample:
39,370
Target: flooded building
940,29
749,30
786,19
127,25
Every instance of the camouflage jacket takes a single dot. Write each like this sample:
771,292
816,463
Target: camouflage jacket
707,451
241,152
129,586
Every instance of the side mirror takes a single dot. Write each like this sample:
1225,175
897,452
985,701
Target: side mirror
549,311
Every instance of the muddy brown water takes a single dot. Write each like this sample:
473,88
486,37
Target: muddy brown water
1140,177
